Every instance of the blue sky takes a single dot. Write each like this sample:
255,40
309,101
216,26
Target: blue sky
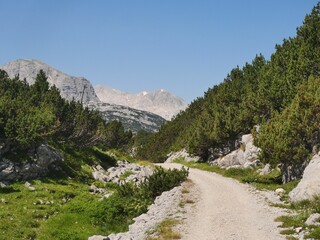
183,46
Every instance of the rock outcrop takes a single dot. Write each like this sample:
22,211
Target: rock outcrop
309,186
123,172
80,89
132,119
44,159
246,156
163,206
183,154
160,102
70,87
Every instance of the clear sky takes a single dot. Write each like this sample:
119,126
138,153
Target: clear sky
183,46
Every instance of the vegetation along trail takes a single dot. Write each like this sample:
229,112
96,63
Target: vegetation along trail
227,209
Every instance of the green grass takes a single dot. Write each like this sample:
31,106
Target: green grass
272,181
62,207
26,213
164,231
303,210
125,175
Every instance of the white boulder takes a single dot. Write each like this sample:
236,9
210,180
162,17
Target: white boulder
309,186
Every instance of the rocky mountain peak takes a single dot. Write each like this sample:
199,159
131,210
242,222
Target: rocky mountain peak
70,87
160,102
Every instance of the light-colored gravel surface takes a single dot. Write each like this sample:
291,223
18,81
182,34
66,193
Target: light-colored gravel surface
226,209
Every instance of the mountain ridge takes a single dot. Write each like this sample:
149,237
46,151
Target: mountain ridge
80,89
160,102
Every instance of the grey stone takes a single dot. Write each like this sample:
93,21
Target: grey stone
183,154
45,158
265,170
159,102
309,186
313,219
114,174
70,87
98,237
246,156
280,191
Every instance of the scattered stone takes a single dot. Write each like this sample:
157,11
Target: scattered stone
265,171
314,219
3,200
280,191
39,202
114,174
252,165
309,186
98,237
183,154
298,229
163,206
2,185
29,186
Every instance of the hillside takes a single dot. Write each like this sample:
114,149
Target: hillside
281,95
160,102
70,87
80,89
132,119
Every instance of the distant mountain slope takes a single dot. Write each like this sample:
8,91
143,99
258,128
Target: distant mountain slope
131,118
70,87
160,102
81,89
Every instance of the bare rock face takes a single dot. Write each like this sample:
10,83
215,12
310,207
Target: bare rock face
80,89
132,119
70,87
160,102
246,156
309,185
45,158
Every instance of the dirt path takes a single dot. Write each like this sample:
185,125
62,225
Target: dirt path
226,209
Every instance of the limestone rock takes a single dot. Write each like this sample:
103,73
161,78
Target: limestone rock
132,119
313,219
280,191
183,154
251,152
246,156
115,174
265,170
233,159
70,87
80,89
309,185
45,159
160,102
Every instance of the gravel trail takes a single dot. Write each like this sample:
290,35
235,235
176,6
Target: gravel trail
226,209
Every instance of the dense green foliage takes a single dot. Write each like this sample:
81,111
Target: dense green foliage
37,113
280,95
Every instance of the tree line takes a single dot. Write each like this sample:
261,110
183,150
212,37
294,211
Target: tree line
281,95
34,114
